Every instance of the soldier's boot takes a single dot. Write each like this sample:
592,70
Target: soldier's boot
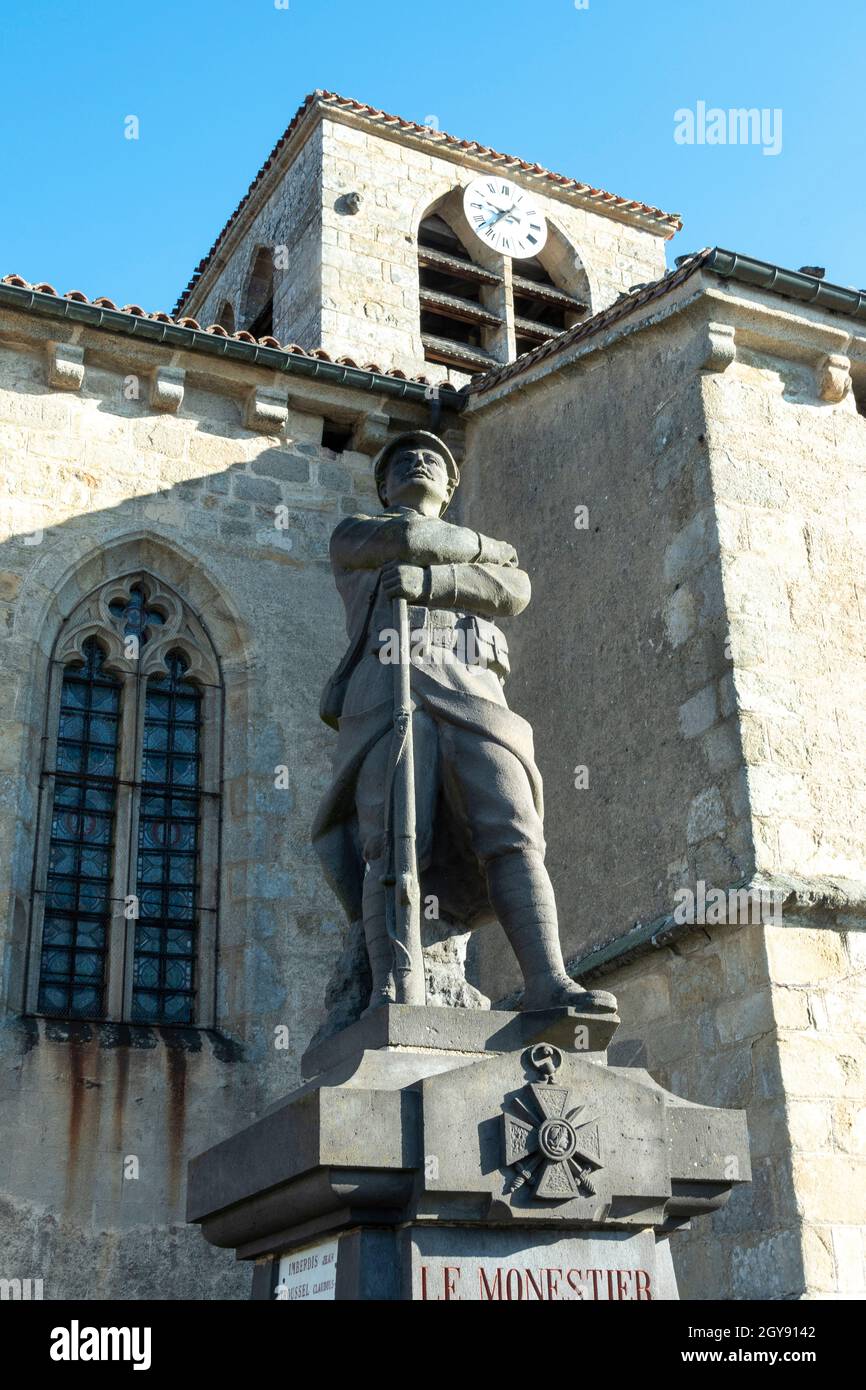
521,895
380,951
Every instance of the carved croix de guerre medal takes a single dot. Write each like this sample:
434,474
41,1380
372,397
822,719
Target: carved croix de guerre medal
551,1143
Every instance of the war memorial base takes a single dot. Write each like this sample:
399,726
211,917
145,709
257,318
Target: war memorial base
452,1155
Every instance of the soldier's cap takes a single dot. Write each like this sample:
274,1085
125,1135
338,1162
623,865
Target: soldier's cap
415,439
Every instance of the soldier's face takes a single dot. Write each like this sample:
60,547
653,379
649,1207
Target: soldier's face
417,478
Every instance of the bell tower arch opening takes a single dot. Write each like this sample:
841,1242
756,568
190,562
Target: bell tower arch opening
550,292
461,284
258,315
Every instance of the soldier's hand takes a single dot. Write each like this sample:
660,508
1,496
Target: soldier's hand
495,552
403,581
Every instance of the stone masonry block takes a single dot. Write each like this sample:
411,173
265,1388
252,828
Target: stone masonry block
371,433
706,815
699,713
260,490
288,468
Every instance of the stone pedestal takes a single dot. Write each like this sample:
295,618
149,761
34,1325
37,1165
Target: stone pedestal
448,1154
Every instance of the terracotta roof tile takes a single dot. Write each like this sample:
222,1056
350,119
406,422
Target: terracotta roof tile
217,331
671,221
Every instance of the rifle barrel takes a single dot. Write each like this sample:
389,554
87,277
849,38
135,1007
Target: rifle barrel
408,956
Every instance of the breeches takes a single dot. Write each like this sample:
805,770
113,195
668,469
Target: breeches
484,787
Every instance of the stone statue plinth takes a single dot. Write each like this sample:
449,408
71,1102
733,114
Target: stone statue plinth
446,1154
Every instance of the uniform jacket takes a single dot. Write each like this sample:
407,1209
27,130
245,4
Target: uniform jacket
470,581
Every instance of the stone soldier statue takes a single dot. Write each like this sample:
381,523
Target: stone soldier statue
478,796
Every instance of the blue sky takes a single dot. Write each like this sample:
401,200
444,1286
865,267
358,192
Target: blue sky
590,92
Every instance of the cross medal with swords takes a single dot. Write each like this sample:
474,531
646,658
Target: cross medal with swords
548,1144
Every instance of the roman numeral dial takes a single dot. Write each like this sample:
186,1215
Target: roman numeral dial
506,218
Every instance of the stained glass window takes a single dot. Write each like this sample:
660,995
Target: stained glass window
124,920
163,989
77,893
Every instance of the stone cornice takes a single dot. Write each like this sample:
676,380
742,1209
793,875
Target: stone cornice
835,904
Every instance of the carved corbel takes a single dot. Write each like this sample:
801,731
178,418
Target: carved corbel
721,349
166,388
833,376
266,410
371,432
65,366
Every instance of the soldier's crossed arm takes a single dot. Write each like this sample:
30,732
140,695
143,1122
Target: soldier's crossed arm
488,591
362,542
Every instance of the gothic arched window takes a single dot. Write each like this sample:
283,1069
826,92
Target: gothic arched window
125,888
167,872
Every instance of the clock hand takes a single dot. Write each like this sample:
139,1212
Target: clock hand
491,221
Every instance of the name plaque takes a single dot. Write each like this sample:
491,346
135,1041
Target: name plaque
458,1264
308,1275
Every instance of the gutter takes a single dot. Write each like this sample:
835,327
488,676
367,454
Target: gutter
249,354
792,283
728,265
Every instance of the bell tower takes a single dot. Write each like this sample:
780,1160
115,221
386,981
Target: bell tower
354,237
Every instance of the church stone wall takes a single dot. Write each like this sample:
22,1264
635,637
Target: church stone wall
770,1019
706,612
612,670
789,479
708,652
94,484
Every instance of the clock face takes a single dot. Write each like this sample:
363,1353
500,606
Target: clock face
504,217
